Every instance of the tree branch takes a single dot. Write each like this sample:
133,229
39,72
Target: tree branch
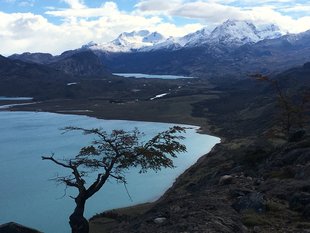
56,161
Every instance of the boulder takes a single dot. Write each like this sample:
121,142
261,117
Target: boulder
299,201
296,136
251,201
306,211
13,227
226,179
160,220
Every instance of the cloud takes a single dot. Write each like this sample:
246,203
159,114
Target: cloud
157,5
107,9
297,8
75,4
213,12
28,32
28,3
79,24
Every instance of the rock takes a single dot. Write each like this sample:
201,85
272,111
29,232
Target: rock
254,201
303,172
226,179
299,201
297,135
12,227
175,209
160,220
306,211
256,229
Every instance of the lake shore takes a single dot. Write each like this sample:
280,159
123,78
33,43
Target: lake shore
176,110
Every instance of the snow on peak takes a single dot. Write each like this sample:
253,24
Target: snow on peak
269,31
153,38
230,33
195,38
237,33
89,44
131,41
233,32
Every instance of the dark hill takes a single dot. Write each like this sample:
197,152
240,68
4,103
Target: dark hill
84,63
16,228
18,78
40,58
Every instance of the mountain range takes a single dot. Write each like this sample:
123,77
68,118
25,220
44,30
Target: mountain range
234,48
231,33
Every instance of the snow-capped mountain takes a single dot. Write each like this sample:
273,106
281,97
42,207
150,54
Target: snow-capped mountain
196,38
237,33
269,31
232,33
129,41
171,43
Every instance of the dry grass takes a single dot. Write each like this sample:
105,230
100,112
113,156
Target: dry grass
105,225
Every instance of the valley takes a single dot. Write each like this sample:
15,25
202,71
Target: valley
255,180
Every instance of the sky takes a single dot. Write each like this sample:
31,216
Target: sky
55,26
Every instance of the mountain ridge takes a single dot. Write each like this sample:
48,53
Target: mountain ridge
231,32
232,49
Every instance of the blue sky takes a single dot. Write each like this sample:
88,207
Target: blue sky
57,25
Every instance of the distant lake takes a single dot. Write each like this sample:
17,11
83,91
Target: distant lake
137,75
15,98
27,195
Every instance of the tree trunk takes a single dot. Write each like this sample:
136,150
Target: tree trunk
78,223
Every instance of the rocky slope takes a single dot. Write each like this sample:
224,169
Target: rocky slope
250,187
41,81
84,63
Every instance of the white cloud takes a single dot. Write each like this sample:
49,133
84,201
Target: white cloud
21,32
214,12
157,5
28,3
107,9
297,8
75,4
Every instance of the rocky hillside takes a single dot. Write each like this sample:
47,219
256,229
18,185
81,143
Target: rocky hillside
57,80
238,187
84,63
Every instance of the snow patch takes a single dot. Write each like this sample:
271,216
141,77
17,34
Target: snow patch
70,84
159,96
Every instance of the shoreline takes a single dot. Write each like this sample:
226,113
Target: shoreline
115,112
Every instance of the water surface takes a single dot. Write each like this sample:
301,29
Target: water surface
29,197
15,98
158,76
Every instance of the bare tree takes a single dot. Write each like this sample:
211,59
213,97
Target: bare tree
294,109
109,156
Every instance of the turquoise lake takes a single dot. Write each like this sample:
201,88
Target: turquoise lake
29,197
158,76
